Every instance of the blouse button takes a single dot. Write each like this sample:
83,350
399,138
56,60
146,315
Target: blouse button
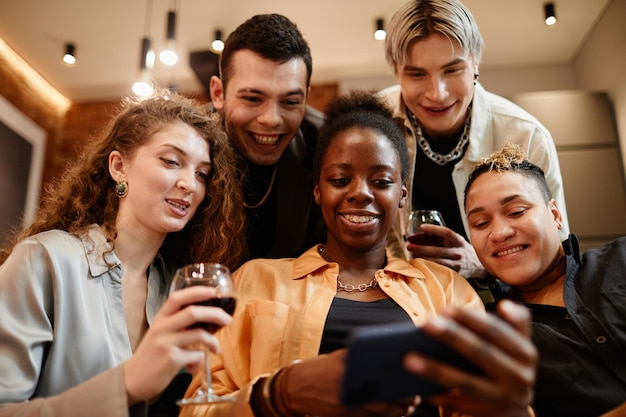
601,339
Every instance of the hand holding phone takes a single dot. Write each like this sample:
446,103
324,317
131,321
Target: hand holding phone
374,370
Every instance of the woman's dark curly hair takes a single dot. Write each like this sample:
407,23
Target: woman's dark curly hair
84,194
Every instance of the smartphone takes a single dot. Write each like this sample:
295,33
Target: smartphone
374,371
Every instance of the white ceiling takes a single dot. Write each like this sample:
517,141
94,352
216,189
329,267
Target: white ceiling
107,35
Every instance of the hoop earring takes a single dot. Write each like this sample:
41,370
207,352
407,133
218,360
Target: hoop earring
121,189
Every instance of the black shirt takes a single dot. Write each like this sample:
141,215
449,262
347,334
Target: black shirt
433,187
345,315
261,221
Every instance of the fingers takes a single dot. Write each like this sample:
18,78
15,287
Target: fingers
485,338
500,347
457,254
194,315
153,365
181,313
174,325
516,315
433,252
452,238
194,339
444,374
181,298
171,343
449,239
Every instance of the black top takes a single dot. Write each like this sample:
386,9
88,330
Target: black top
261,221
289,222
345,315
433,187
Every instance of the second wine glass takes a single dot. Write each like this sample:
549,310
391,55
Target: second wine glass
415,234
216,276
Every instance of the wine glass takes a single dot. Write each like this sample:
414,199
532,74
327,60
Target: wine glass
419,217
211,275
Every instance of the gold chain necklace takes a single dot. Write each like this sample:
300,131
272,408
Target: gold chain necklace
349,287
361,287
267,193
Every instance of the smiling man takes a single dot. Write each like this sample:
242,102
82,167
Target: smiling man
578,303
434,48
265,71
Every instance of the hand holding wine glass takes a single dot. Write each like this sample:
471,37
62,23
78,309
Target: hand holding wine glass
416,235
216,276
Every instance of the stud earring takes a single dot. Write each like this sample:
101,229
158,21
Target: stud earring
121,189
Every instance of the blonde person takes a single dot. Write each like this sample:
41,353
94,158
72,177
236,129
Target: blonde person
304,308
434,48
87,327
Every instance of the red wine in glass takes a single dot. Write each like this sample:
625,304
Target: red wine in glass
216,276
425,239
225,303
419,217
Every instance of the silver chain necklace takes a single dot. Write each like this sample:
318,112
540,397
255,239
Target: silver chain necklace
438,158
349,287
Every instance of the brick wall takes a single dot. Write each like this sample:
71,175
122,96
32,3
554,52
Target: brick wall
320,95
68,130
16,89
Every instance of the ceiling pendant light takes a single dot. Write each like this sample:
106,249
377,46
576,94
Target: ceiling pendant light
379,33
550,15
144,87
218,44
169,55
70,54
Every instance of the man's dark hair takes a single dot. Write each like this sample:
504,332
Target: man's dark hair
273,36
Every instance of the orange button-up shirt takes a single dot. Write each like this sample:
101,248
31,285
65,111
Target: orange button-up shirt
282,306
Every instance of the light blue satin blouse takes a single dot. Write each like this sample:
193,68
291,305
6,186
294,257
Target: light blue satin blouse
62,322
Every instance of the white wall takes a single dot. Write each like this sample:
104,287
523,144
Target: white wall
509,82
601,63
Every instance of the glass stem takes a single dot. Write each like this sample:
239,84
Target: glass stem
207,371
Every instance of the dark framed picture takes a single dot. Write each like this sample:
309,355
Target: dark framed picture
22,151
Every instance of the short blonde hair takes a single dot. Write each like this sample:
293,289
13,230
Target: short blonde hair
418,19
